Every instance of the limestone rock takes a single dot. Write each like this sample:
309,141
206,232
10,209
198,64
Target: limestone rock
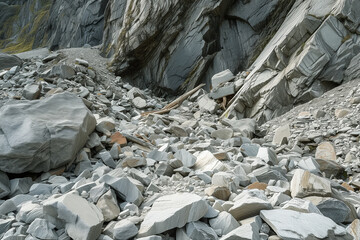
186,158
4,185
332,208
340,113
32,91
200,230
124,229
281,134
285,223
172,211
139,102
354,229
207,104
325,151
224,223
108,205
206,161
222,77
35,133
223,134
305,184
41,228
83,220
62,71
219,192
249,231
301,205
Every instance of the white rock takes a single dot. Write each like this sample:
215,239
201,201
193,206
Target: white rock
249,231
305,184
139,102
223,134
224,223
105,125
172,211
108,205
354,229
200,230
207,104
186,158
206,161
301,205
124,229
281,133
286,224
43,229
221,77
268,155
83,220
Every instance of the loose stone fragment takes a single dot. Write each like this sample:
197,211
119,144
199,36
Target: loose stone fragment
325,151
224,223
282,135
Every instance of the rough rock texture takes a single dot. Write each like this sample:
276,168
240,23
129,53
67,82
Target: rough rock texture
176,44
39,135
8,61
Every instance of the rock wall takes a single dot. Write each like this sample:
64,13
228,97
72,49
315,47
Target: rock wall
174,45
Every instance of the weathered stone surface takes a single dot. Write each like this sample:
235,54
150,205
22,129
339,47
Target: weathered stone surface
62,71
108,205
41,228
207,104
222,77
305,184
224,133
207,162
4,185
200,230
224,223
83,220
186,158
219,192
172,211
354,229
249,231
285,223
8,61
301,205
325,151
281,134
34,134
125,229
32,91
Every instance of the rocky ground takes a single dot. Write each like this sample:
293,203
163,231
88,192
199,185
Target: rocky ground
102,169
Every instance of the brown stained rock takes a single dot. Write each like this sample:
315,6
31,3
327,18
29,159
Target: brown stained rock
325,151
118,138
347,186
257,185
222,193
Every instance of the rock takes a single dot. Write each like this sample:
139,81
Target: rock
285,224
207,104
107,159
325,151
332,208
105,125
62,71
32,91
125,229
139,102
219,192
310,165
268,155
41,228
301,205
172,211
222,77
119,139
340,113
223,134
248,204
40,147
108,205
330,168
206,161
224,223
83,220
200,230
81,62
8,61
178,131
50,57
134,162
305,184
354,229
186,158
249,231
281,135
4,185
249,149
257,185
219,92
20,186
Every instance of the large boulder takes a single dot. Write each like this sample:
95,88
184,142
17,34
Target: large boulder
8,61
39,135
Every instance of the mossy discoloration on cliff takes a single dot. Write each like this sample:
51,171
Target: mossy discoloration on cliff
16,38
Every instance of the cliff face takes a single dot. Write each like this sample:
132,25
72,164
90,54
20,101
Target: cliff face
174,45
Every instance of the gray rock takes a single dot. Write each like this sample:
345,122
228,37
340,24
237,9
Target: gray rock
139,102
186,158
222,77
249,149
125,229
172,211
228,89
206,161
20,186
249,231
40,188
223,134
207,104
40,147
224,223
41,228
107,159
301,205
29,211
108,205
4,185
281,135
8,61
200,230
32,91
62,71
83,220
285,223
354,229
268,155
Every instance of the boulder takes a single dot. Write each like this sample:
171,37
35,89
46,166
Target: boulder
34,134
62,71
172,211
42,229
222,77
286,224
8,61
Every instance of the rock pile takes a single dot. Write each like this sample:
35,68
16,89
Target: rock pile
109,171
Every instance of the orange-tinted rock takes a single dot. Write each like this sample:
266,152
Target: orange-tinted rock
118,138
347,186
257,185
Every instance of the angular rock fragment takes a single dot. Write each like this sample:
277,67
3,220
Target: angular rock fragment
305,184
282,135
186,158
108,205
224,223
124,229
172,211
222,77
325,151
32,91
42,229
207,162
200,230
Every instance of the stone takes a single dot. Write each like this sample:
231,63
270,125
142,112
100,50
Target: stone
125,188
354,229
257,185
124,229
310,165
62,71
178,131
222,77
119,139
224,223
139,102
249,149
33,146
105,125
279,198
207,104
8,61
325,151
50,57
332,208
286,224
83,220
186,158
108,206
340,113
268,155
40,188
206,161
223,134
20,186
134,162
301,205
249,231
281,135
107,159
172,211
81,62
219,92
200,230
248,204
305,184
4,185
42,229
32,91
219,192
331,168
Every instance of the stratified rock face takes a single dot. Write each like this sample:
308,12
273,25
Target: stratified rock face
40,135
173,44
308,55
